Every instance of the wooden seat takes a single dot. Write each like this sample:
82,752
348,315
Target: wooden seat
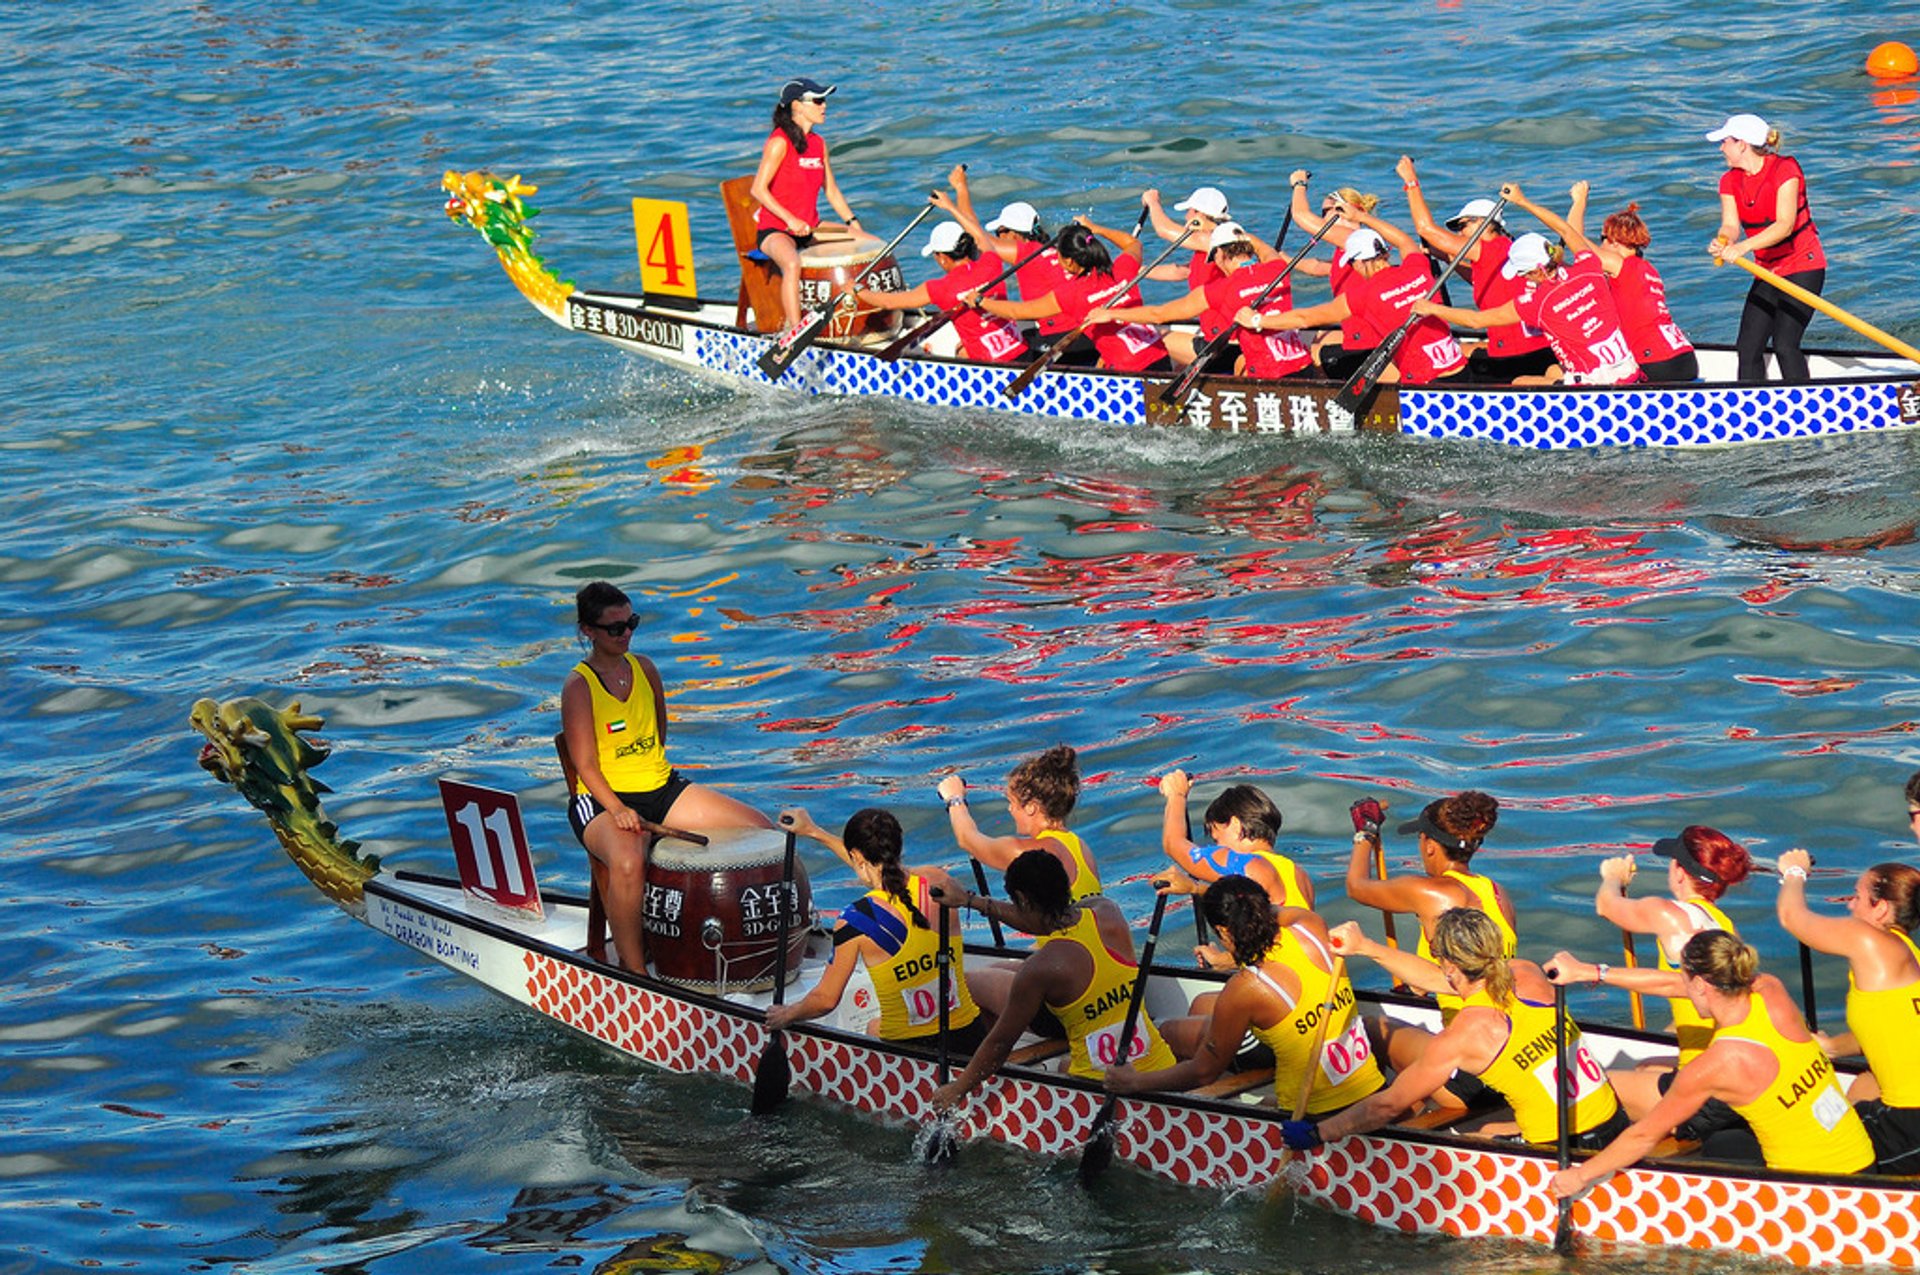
596,870
759,277
1235,1083
1038,1052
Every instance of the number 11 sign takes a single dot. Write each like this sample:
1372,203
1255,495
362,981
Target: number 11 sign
490,847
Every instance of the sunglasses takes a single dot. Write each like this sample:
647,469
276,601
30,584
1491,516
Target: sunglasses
629,625
816,98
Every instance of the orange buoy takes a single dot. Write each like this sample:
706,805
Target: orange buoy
1891,60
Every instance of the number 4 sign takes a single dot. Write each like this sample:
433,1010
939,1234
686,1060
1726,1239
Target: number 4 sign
490,847
666,246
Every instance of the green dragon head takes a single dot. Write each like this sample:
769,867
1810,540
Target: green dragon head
259,749
495,209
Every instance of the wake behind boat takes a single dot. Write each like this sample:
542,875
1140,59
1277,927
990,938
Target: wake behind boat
538,949
1852,392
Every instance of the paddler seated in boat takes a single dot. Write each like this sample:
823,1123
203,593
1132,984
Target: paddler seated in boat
1883,994
1241,823
1451,830
1206,211
888,931
1763,1062
1373,296
1081,971
794,171
1093,277
1504,1034
1239,277
983,338
1041,793
1283,974
1568,298
1329,352
613,712
1015,236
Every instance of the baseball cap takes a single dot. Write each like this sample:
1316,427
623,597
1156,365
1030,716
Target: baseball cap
1208,201
1472,210
945,238
1675,848
1361,245
1019,217
1750,129
1424,823
1529,252
1225,233
812,90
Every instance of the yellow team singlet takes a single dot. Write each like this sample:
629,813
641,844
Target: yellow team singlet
1693,1029
1095,1019
626,733
1887,1025
1086,882
1481,888
1523,1072
907,980
1803,1120
1347,1070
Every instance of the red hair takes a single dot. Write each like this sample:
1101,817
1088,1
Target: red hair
1626,229
1719,854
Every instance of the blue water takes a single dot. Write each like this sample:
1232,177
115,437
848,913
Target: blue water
273,425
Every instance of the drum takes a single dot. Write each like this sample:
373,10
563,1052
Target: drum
711,914
827,268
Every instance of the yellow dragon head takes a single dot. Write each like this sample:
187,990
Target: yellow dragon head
496,209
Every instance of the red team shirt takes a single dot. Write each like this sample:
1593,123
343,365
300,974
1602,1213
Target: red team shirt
1036,279
1269,354
1200,272
1380,304
1755,198
1575,309
1491,290
797,183
982,336
1641,299
1125,347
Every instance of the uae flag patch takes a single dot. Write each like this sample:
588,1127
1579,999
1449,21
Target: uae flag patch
617,726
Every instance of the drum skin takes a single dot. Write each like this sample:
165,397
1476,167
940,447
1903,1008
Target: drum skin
735,882
827,268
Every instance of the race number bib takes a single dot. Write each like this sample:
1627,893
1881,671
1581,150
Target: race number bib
1138,336
1103,1045
1589,1077
1673,336
1612,350
923,1002
1830,1107
1443,352
1001,342
1343,1056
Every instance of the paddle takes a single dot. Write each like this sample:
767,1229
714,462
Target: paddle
774,1075
781,354
1099,1149
902,344
1563,1103
1018,385
1806,987
1360,387
941,1143
980,888
1313,1053
1825,307
1167,402
1630,957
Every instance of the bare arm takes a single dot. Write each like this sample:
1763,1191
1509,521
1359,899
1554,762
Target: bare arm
1460,316
1406,967
1444,1055
825,996
1226,1029
1024,1000
1553,221
1569,970
1191,306
1430,231
1692,1086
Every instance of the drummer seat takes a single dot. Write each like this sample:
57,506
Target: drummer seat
596,870
759,277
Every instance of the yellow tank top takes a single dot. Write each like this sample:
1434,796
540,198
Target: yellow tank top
1803,1120
1289,875
1523,1072
1887,1025
1693,1029
1094,1019
1481,888
1346,1071
1086,882
626,733
906,981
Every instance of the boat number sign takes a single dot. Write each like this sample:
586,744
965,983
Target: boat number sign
666,246
600,319
490,848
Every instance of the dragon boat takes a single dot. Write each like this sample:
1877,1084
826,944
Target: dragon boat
543,950
718,340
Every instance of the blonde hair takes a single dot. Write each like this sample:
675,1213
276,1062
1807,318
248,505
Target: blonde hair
1469,940
1358,198
1726,963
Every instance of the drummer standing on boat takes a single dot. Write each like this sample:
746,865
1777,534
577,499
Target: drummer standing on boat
794,171
613,713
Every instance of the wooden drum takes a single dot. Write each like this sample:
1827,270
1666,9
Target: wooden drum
711,914
827,268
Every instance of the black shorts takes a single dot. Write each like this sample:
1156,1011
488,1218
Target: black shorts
1681,367
1485,369
1896,1135
1714,1117
1337,363
961,1041
651,806
799,241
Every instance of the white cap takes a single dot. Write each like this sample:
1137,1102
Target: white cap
1361,245
1018,216
1472,210
1225,233
1529,252
1207,201
945,238
1750,129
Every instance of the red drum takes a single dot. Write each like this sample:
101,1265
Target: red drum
827,268
711,914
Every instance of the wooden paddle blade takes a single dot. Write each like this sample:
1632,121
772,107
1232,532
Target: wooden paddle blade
773,1077
1098,1155
942,1143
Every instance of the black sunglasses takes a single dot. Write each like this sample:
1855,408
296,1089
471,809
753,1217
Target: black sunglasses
629,625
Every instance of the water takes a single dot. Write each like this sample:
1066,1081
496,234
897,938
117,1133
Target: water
272,425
